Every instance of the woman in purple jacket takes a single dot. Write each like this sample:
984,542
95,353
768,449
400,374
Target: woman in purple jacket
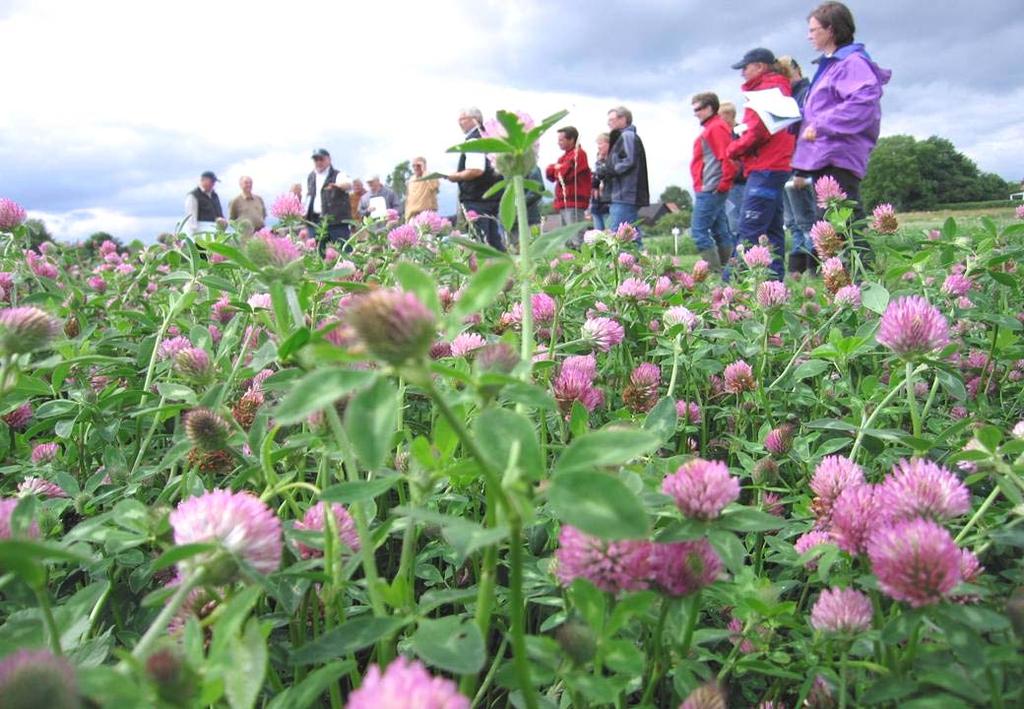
842,112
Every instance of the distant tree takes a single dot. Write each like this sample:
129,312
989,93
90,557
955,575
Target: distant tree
678,196
37,232
92,245
398,180
913,174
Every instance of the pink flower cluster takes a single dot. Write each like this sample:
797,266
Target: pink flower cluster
883,219
403,238
701,488
911,327
40,265
430,223
633,288
757,257
287,206
11,214
602,333
739,377
575,382
676,568
771,294
828,191
314,520
466,343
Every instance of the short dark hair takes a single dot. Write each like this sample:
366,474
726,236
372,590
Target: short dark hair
570,132
706,98
837,17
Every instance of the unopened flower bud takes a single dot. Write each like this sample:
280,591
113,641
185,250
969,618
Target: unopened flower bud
577,640
26,329
395,326
206,430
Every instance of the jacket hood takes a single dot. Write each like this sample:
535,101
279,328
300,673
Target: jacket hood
845,51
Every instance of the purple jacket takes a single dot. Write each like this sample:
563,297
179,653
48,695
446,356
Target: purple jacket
843,105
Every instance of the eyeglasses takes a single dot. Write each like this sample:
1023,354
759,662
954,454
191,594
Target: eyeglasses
700,108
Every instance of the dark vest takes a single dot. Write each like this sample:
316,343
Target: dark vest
333,203
474,190
209,206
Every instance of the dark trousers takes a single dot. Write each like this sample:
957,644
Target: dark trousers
762,213
487,224
850,184
335,233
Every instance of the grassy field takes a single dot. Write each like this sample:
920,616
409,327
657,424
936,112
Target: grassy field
909,221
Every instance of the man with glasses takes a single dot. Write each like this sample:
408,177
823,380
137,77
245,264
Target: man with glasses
712,174
328,199
421,195
474,176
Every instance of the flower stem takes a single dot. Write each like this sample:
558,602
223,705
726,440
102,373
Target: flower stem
525,271
842,679
908,384
978,514
43,598
159,626
517,606
878,409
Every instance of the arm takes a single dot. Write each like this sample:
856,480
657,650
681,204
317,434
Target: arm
621,163
192,212
263,207
233,209
719,141
858,107
753,137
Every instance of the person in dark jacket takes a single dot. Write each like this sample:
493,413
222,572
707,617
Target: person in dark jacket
800,209
329,205
202,206
712,174
625,171
766,160
842,114
474,176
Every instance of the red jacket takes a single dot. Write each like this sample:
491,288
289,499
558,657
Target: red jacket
710,169
572,178
756,147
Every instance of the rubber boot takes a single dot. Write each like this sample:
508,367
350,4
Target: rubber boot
812,264
714,263
725,253
797,262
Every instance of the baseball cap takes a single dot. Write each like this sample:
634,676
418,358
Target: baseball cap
760,54
210,175
320,153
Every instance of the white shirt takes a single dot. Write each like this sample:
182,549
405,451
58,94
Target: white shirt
319,178
475,161
192,214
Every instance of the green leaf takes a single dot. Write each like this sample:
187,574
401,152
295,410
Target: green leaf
481,290
306,692
511,439
358,490
482,145
464,536
598,504
370,420
810,368
317,390
606,447
730,548
662,419
990,437
243,678
176,392
507,209
747,519
451,643
346,639
25,558
295,342
875,297
180,553
420,283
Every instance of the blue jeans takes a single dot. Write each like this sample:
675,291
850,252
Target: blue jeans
621,213
801,212
487,224
733,204
709,227
762,213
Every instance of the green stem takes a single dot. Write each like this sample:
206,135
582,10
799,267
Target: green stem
525,273
908,385
517,606
691,624
842,679
43,598
676,351
992,496
159,626
878,409
654,670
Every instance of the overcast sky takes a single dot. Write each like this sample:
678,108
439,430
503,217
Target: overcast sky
112,108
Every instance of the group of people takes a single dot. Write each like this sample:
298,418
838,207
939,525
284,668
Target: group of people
770,173
751,178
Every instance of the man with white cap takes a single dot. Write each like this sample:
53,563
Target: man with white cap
327,191
202,206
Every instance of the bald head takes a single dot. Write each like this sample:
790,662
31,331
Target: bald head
245,182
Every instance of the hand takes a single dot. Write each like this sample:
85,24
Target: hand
454,177
222,222
810,134
799,182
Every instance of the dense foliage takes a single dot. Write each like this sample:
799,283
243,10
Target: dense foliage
425,473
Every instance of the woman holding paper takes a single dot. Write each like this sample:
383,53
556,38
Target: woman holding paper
765,152
842,113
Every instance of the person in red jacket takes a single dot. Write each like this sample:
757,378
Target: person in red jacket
572,178
712,174
766,160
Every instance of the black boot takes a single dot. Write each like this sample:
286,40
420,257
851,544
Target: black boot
797,264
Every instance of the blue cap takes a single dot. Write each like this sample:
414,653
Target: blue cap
762,55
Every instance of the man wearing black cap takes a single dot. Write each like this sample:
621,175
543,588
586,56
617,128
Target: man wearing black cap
329,205
765,157
202,206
